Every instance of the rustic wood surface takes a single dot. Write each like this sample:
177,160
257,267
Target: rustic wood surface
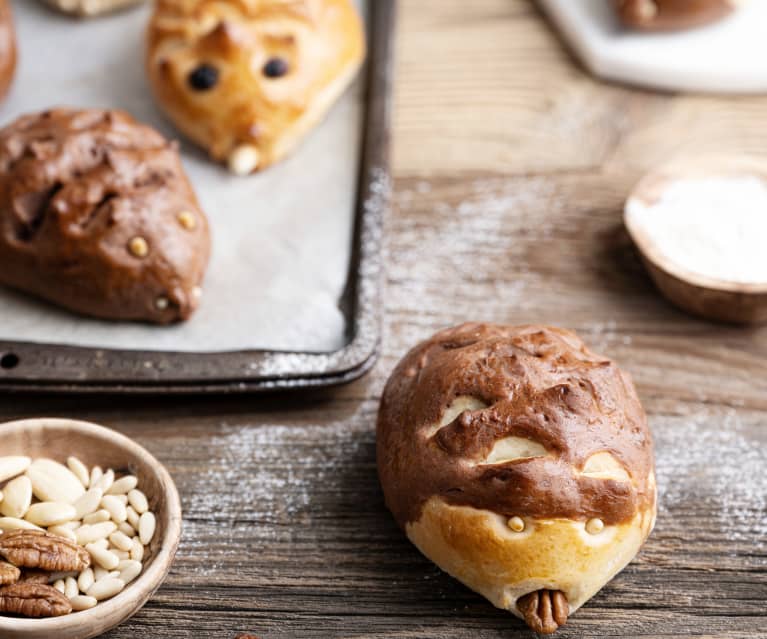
511,168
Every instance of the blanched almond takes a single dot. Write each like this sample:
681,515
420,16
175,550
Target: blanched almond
138,500
146,527
89,533
12,466
106,588
129,570
13,523
115,507
85,580
50,513
70,588
89,502
137,551
97,517
103,558
121,541
133,517
79,470
17,497
52,481
106,481
82,602
123,485
63,531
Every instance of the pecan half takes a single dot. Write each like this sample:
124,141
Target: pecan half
9,574
544,610
34,577
33,600
37,549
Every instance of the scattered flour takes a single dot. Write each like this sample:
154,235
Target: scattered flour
713,227
710,454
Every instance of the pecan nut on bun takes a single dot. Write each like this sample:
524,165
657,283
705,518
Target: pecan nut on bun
97,215
248,79
672,15
91,7
520,462
7,47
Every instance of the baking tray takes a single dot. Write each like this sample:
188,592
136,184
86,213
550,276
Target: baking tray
62,368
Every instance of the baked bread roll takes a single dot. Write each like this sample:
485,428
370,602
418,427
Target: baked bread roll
87,8
671,15
97,215
7,47
248,79
520,462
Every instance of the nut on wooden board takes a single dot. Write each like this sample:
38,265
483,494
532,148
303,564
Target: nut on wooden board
87,8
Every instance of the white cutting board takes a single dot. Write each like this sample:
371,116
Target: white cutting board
726,57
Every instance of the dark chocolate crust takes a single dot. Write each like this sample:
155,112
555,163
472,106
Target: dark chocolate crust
7,47
672,15
539,383
97,215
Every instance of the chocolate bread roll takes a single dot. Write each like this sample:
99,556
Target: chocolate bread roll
672,15
97,215
249,80
520,462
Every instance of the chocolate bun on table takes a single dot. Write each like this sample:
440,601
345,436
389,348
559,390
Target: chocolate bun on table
520,462
97,216
248,79
92,7
672,15
7,47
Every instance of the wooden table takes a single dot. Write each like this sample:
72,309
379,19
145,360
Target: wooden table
511,166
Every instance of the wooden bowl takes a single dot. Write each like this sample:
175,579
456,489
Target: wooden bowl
715,299
96,445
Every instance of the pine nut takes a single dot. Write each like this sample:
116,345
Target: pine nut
116,508
129,570
98,517
70,588
138,500
63,531
123,485
103,558
82,602
13,523
86,579
106,588
87,533
121,541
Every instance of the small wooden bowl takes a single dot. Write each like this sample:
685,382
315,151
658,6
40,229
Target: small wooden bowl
96,445
718,300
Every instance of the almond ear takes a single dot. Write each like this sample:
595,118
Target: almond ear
605,465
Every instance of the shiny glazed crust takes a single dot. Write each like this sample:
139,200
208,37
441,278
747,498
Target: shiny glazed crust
247,117
7,47
97,215
517,460
672,15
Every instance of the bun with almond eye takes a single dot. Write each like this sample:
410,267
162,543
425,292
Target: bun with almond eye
7,47
672,15
97,215
248,79
520,462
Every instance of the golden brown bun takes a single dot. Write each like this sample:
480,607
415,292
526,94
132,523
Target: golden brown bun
248,79
672,15
7,47
91,7
518,461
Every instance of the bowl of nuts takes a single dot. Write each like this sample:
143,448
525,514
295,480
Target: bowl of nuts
89,526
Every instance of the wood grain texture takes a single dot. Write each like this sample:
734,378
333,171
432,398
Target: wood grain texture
512,167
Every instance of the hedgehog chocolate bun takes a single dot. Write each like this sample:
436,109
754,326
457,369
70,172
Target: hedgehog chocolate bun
672,15
248,79
7,47
520,462
97,215
88,8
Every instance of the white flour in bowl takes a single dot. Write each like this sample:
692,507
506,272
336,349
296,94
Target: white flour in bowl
715,227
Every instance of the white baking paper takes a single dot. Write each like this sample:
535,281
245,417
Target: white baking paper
281,239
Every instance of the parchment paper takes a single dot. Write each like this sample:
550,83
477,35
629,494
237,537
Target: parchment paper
281,239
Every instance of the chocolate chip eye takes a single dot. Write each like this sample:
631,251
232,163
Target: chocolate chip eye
203,78
276,68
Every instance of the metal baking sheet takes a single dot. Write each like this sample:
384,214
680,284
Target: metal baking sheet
292,292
